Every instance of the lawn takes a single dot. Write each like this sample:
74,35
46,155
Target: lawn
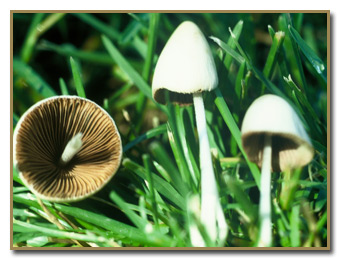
153,199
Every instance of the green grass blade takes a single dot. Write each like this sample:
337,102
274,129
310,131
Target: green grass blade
244,58
16,118
237,32
32,78
30,40
230,122
294,226
16,177
147,135
69,50
175,133
271,31
316,62
91,20
77,78
234,187
37,31
137,220
63,87
152,40
130,32
120,230
296,56
272,56
228,50
60,234
172,174
128,69
163,187
238,85
147,166
183,124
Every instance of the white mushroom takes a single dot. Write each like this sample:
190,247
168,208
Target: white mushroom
184,70
66,148
274,138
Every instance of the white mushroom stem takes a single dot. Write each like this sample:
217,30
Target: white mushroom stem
265,238
211,210
72,148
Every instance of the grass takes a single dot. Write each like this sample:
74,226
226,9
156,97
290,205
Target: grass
110,58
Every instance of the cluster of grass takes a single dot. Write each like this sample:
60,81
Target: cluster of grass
109,58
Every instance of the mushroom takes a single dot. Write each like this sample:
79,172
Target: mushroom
184,70
274,138
66,148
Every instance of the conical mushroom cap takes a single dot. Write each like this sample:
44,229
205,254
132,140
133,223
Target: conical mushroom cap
41,136
272,115
185,66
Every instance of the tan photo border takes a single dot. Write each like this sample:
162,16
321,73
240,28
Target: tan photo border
180,248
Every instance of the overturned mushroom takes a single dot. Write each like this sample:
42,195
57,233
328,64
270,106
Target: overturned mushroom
274,138
66,148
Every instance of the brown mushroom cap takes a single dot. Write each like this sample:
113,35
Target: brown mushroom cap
41,136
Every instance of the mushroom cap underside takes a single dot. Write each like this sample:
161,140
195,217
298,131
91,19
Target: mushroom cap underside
41,137
288,151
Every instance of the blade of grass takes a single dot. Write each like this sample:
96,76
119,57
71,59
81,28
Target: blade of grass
174,135
69,50
296,55
147,166
234,187
237,32
16,177
121,230
38,27
139,222
271,32
129,70
272,56
244,58
230,122
302,98
147,135
228,50
311,56
187,148
294,226
130,32
148,65
32,78
152,40
16,118
238,85
163,187
162,158
94,22
63,87
77,78
27,48
61,234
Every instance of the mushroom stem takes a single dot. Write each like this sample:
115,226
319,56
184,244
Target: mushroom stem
72,148
211,210
265,238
